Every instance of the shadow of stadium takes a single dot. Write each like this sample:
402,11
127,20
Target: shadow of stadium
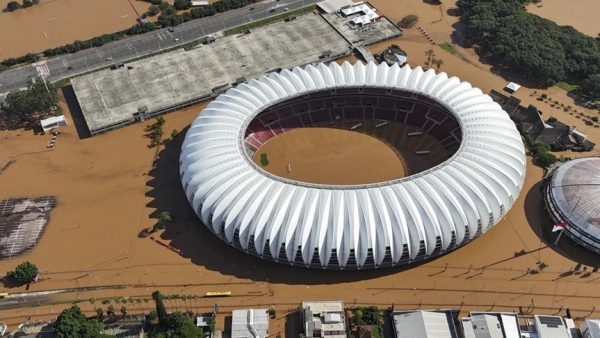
204,248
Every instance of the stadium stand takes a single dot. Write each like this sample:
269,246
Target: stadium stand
389,115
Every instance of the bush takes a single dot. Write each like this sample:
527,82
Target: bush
408,21
545,159
544,96
540,148
153,10
24,273
12,6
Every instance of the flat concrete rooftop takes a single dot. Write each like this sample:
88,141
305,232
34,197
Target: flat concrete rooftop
112,96
370,33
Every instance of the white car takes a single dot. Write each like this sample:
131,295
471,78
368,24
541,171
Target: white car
176,39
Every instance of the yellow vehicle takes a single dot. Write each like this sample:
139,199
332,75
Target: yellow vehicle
3,294
218,294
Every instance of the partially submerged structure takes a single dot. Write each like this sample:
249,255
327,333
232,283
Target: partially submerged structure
552,132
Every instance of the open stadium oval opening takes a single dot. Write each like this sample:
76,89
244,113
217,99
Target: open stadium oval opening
350,227
572,198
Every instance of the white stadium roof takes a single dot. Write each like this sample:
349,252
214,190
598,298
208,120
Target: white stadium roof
259,212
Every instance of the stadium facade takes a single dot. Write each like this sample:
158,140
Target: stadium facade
572,196
376,225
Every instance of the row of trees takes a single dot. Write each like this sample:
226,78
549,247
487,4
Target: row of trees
13,5
509,37
159,323
167,19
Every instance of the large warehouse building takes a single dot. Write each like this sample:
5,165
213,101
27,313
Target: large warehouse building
383,224
572,196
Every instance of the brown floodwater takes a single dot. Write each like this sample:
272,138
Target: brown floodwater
54,23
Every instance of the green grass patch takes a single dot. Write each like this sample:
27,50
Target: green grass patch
450,49
264,161
264,22
567,86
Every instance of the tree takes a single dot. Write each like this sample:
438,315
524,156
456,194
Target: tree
408,21
182,326
371,315
430,58
124,311
72,323
164,217
539,148
27,3
153,10
545,159
99,312
24,273
13,6
156,2
174,133
358,317
591,86
24,104
111,310
161,311
182,4
438,64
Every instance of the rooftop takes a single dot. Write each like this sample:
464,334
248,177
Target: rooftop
109,97
424,324
250,323
324,319
491,325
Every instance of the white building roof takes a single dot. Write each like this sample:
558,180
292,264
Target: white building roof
591,327
250,323
54,121
513,86
325,319
369,14
551,327
332,6
422,324
491,325
473,190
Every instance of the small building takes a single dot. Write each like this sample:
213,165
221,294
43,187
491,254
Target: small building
53,122
334,6
250,323
324,319
552,132
367,14
491,325
394,55
554,327
512,87
590,328
203,321
424,324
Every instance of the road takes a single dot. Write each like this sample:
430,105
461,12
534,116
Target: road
86,60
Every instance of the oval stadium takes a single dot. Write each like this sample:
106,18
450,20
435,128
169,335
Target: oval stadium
476,173
572,196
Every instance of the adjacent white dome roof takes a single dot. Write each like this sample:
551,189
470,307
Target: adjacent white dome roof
575,189
396,222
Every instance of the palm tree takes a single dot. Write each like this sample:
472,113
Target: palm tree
430,57
163,218
139,303
438,63
124,311
99,312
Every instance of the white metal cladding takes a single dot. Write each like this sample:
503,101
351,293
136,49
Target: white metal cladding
462,197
